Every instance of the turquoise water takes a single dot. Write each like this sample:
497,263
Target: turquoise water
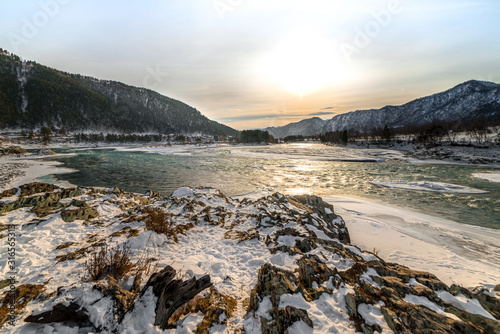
242,174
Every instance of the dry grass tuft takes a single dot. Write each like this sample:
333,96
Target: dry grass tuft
160,222
115,262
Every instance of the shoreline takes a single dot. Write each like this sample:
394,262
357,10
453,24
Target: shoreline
397,234
28,170
456,253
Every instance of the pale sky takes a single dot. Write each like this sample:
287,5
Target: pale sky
256,63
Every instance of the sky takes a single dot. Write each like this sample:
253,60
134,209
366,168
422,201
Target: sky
254,63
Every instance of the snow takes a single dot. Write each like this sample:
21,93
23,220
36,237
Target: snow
328,313
489,176
464,303
183,192
265,307
35,169
430,186
456,253
300,327
373,316
424,301
367,277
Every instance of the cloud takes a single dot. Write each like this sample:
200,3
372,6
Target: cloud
322,113
258,117
328,108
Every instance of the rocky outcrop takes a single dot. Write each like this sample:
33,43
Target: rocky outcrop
12,150
173,293
305,272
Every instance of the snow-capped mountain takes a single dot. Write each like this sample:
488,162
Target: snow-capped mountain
468,101
306,127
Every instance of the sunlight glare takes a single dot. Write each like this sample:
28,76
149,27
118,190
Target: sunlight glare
304,62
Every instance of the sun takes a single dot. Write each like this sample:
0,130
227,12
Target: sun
303,63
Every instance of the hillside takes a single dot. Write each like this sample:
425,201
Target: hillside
33,95
467,102
306,127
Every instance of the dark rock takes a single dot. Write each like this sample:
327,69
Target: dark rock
272,282
9,193
73,313
172,293
312,269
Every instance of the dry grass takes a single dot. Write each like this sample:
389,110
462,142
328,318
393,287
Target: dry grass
160,222
115,262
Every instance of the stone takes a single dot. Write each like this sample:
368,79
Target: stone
172,293
73,313
284,318
83,213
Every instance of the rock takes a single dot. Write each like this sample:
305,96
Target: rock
9,193
20,296
123,299
36,188
312,269
284,318
83,213
72,313
17,150
216,307
273,282
45,151
172,293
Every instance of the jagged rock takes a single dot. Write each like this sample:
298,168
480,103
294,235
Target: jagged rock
312,269
325,211
9,193
216,307
284,318
83,213
173,293
123,299
36,188
272,282
50,199
73,313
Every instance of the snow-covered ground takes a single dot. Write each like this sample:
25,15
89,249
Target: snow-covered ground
430,186
489,176
456,253
31,169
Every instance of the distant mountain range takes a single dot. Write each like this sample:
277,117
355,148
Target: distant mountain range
33,95
466,102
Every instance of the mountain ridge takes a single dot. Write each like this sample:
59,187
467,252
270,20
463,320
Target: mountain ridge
468,101
34,95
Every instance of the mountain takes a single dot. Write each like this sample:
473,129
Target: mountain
466,102
469,101
306,127
33,95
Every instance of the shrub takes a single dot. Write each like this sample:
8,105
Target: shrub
115,262
160,222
